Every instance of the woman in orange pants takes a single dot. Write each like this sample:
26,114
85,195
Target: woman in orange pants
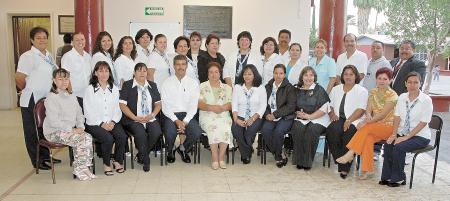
376,126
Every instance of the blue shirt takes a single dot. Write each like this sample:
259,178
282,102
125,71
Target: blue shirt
288,69
325,69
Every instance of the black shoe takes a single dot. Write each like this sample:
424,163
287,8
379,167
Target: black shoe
171,157
139,160
44,166
246,160
146,168
306,168
396,184
184,156
383,182
55,161
343,176
300,167
282,163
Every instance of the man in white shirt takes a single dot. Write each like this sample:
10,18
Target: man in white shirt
284,38
351,56
78,63
179,95
376,62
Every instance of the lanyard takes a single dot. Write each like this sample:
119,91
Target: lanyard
165,59
241,62
193,66
49,59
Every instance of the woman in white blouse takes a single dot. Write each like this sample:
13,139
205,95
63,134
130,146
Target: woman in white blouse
248,106
411,117
348,104
159,67
294,66
143,38
181,46
102,112
236,61
269,58
104,51
124,59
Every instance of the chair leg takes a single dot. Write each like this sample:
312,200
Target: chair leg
261,148
53,167
228,154
132,152
195,152
264,151
93,164
71,156
124,161
199,147
161,155
358,162
435,163
412,171
37,162
329,158
325,153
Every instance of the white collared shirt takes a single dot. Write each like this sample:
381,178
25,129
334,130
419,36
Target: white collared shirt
358,59
101,105
285,57
229,71
80,70
125,68
258,100
421,112
295,71
99,56
142,56
180,96
39,74
267,66
163,69
355,99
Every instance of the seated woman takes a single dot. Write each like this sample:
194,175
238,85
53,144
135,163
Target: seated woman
377,124
312,103
101,108
140,102
64,123
215,119
248,105
279,113
348,103
411,117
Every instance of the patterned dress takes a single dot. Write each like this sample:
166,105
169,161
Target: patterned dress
216,126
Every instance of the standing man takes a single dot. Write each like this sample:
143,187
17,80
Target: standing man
284,38
406,63
351,56
376,62
78,63
34,80
179,95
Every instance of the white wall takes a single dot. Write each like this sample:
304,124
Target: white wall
261,17
9,8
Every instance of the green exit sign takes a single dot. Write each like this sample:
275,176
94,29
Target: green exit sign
154,11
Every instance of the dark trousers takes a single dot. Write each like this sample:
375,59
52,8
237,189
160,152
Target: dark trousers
192,132
273,134
245,136
145,138
306,138
337,141
394,158
29,131
106,139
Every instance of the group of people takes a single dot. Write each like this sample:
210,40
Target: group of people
155,95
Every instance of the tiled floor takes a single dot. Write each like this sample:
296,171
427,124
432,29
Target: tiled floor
180,181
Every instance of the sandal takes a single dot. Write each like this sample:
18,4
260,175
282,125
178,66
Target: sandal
82,176
89,174
109,173
118,170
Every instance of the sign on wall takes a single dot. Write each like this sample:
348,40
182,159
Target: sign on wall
208,19
154,11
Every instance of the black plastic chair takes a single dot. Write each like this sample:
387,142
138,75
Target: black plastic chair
436,124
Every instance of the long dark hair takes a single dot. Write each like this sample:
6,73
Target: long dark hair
63,73
98,43
94,79
305,70
119,49
257,79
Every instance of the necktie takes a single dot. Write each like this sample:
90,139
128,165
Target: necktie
397,67
407,126
144,107
248,96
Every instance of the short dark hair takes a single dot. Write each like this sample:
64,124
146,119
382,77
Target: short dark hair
119,49
413,74
67,38
63,73
141,33
282,66
179,58
305,70
410,42
94,79
257,79
245,34
284,31
384,70
210,37
195,34
350,34
354,70
157,37
266,40
298,44
213,64
178,39
377,41
36,30
139,66
98,43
